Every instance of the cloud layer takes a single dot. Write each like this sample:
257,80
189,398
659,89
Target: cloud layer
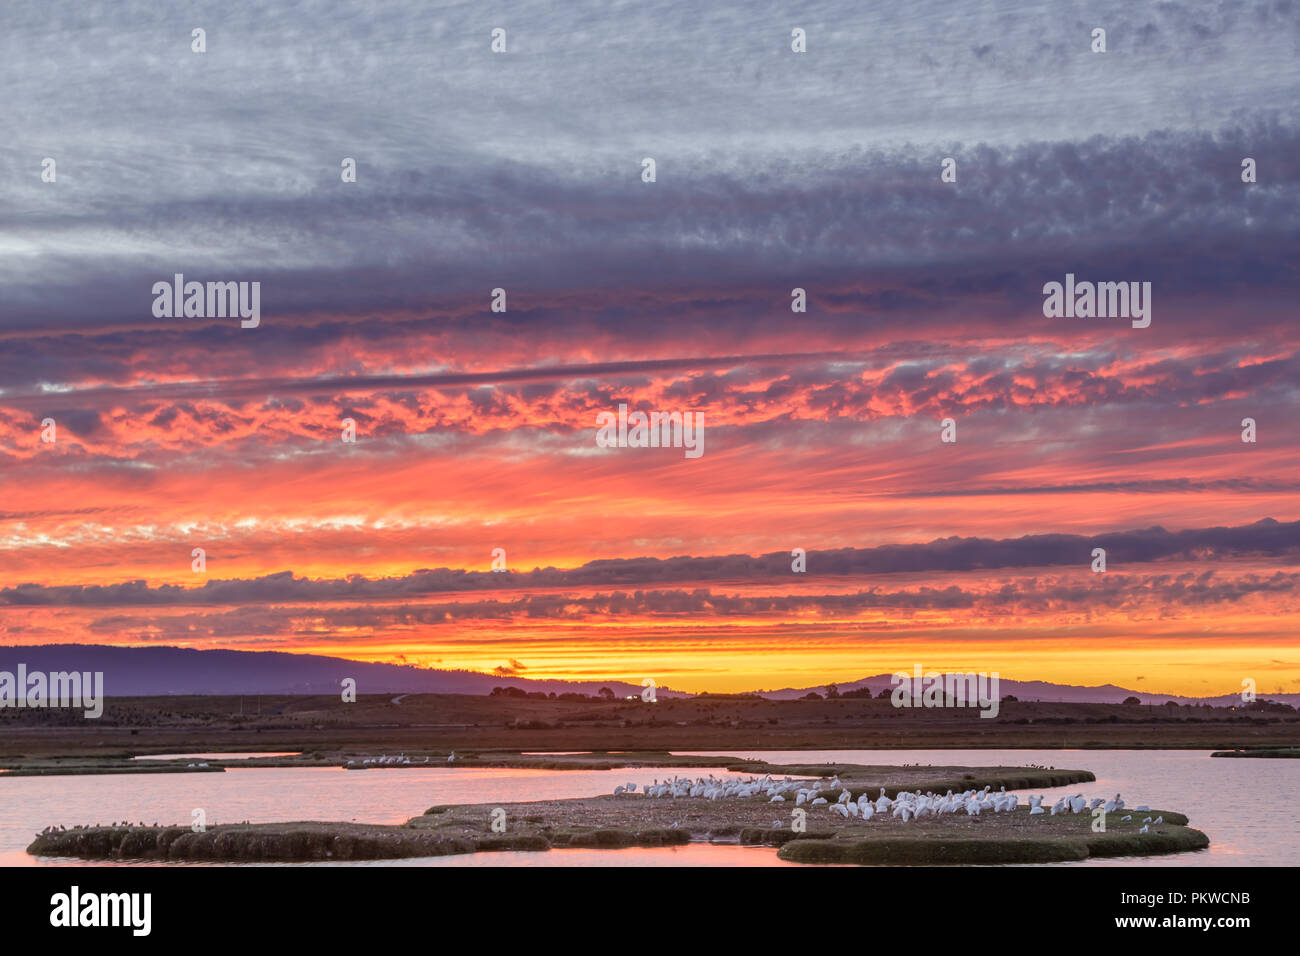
775,171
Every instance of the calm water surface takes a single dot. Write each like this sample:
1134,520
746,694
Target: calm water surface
281,794
1247,807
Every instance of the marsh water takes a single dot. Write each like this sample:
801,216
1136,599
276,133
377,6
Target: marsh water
1247,807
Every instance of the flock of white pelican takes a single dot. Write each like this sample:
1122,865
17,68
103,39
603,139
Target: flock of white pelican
400,760
904,806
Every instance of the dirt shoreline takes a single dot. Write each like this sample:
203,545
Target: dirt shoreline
1282,753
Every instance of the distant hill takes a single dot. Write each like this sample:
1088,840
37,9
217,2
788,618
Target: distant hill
1043,691
158,671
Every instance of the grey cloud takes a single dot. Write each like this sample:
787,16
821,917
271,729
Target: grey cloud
1266,537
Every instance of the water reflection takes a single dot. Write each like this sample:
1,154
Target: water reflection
282,794
1245,806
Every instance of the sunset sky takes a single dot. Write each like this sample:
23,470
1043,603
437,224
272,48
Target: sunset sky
774,170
